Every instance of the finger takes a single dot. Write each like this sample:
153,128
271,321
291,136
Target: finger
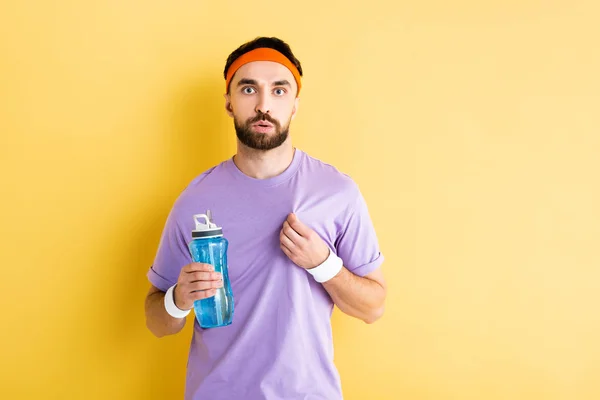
298,225
286,241
195,266
203,294
286,251
203,276
203,285
292,234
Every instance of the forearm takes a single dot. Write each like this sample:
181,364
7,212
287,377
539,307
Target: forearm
158,321
356,296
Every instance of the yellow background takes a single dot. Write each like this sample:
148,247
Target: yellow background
472,128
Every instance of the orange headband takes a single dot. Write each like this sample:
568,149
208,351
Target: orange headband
262,54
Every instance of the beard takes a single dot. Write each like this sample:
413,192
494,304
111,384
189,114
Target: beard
261,141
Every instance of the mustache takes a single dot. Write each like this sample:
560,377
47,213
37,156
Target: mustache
263,117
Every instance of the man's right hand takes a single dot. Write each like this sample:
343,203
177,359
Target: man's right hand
196,281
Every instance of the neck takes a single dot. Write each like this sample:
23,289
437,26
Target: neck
264,164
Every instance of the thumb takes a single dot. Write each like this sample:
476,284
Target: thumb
293,218
297,225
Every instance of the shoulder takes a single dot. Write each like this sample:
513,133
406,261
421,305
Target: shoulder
201,185
329,177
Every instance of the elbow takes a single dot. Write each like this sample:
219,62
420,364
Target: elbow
376,311
374,315
153,330
161,329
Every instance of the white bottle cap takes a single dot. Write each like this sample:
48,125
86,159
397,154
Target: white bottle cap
205,228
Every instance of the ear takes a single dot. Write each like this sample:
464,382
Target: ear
228,106
296,105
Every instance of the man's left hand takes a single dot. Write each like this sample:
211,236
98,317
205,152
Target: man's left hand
301,244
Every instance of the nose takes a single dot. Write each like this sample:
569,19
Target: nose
263,105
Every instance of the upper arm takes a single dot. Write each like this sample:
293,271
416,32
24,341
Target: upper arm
357,243
377,276
172,254
153,289
151,292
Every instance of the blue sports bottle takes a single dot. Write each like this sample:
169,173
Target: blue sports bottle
210,247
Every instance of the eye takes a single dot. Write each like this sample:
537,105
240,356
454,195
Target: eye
279,91
248,90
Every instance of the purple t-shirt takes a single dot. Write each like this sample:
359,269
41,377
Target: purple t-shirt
279,345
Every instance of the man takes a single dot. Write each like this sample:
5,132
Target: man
300,241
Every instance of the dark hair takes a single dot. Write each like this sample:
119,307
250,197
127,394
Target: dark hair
270,42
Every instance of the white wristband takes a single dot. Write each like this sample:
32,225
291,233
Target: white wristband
328,269
170,306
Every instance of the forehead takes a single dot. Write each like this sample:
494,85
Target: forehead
264,72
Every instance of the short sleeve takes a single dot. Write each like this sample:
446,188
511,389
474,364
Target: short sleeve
171,256
357,243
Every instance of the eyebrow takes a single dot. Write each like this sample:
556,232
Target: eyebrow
283,82
246,81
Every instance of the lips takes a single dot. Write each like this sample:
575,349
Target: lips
263,127
263,124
